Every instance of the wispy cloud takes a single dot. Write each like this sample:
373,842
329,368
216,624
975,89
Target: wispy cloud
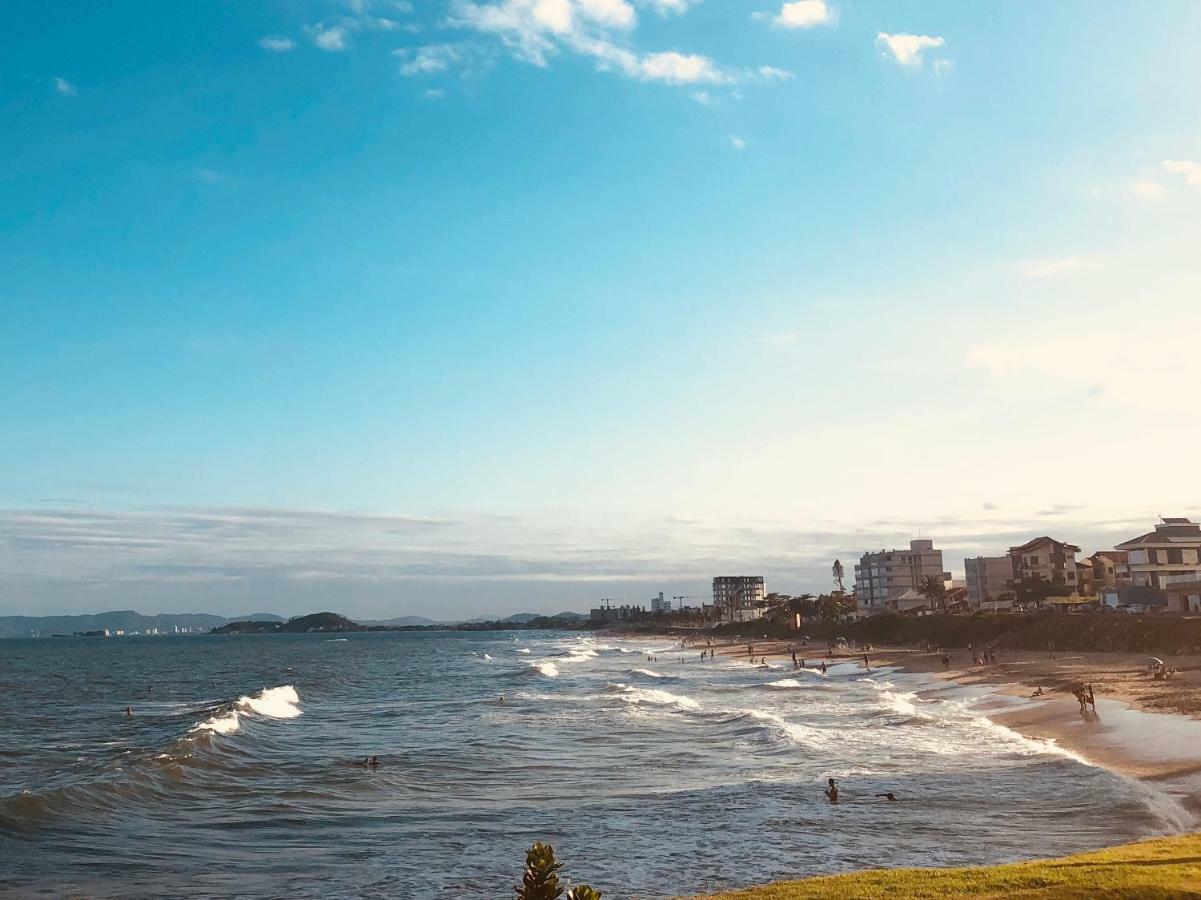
430,59
331,38
64,87
737,143
907,49
211,176
276,44
1146,190
1036,269
535,31
1188,169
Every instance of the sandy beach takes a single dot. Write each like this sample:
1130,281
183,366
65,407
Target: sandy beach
1146,729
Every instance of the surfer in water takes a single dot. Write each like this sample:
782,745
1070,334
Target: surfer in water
128,711
831,792
888,796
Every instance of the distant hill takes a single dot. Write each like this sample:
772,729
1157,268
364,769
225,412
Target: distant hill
117,620
319,622
405,622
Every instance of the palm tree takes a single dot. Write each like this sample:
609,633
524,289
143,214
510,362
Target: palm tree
934,590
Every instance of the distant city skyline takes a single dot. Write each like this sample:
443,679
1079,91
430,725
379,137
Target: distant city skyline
453,308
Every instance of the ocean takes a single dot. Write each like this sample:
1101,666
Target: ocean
653,774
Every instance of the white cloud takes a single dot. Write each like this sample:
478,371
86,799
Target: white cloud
771,73
331,38
64,87
1146,189
211,176
943,66
737,143
428,60
1186,167
434,94
907,49
1036,269
669,7
277,44
536,30
704,98
804,14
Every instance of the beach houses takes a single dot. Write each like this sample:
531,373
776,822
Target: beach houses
1173,549
1044,559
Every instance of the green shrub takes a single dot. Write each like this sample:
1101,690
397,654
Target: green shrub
541,878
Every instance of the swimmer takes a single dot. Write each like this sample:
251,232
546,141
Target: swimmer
128,711
888,796
832,791
501,699
374,761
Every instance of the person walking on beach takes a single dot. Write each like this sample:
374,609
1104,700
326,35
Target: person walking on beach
831,792
866,665
1092,700
823,667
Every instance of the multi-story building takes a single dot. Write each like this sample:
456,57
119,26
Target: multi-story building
660,605
607,613
1172,549
885,576
739,598
988,581
1110,569
1084,577
1044,558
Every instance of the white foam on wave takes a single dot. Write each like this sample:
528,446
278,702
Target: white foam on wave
784,683
545,667
649,673
487,658
798,734
524,650
273,703
580,655
654,696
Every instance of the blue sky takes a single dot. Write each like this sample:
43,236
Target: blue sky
452,307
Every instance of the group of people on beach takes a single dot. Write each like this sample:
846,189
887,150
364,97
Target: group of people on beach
1084,696
986,654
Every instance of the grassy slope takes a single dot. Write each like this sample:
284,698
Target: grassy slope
1164,868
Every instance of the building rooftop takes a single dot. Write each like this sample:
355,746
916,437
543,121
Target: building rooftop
1169,531
1039,541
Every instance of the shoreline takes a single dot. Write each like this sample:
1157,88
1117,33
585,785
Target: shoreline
1143,729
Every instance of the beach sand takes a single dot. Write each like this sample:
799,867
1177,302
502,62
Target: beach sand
1142,728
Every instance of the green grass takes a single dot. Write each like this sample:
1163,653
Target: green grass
1164,868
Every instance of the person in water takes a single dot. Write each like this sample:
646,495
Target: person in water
374,761
128,711
1038,692
888,796
832,791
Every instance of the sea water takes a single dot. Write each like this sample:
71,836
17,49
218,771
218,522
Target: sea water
653,773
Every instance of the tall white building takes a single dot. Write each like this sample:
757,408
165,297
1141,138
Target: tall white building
880,578
659,605
739,598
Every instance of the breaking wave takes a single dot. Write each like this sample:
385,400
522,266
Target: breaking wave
272,703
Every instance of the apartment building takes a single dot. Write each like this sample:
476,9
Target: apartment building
988,581
1110,569
1172,549
884,576
739,598
1046,558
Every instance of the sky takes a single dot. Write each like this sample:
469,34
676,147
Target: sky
459,307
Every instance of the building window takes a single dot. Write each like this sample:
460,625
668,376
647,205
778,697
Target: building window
1175,556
